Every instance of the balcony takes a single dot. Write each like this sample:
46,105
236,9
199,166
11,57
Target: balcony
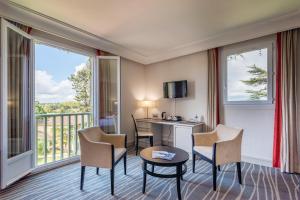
56,135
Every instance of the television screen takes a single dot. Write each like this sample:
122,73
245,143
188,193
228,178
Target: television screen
175,89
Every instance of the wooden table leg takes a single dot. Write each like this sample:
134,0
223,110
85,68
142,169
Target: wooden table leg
145,177
178,172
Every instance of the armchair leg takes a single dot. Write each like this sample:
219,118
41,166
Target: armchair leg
97,170
238,166
219,168
112,180
194,162
214,169
82,177
125,163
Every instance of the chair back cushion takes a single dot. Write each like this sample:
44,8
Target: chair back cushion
92,134
227,133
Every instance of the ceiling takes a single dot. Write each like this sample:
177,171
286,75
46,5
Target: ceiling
152,28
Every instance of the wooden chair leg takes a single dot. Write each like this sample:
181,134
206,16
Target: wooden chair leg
214,169
239,171
112,180
137,146
82,177
125,163
97,170
194,162
151,141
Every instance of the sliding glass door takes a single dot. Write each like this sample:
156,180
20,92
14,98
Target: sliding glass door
16,104
109,93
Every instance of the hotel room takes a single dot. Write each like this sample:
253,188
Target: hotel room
160,99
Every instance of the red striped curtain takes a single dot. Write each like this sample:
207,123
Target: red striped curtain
286,152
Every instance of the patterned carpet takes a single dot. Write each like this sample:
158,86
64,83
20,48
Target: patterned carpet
63,183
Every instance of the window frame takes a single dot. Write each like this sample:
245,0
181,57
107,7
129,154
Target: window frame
243,48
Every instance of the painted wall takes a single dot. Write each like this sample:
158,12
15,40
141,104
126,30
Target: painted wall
192,68
256,120
133,88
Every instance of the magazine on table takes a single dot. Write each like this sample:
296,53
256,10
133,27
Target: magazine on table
163,155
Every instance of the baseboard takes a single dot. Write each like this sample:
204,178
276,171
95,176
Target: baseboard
258,161
55,164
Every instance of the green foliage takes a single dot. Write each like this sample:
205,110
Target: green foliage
64,107
259,78
39,108
81,82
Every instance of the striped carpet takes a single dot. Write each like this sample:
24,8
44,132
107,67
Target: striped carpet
63,183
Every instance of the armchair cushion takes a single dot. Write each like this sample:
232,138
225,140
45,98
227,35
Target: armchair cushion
119,153
206,151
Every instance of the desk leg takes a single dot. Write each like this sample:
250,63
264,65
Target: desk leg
178,172
145,177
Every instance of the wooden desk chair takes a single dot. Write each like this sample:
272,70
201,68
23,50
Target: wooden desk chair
140,135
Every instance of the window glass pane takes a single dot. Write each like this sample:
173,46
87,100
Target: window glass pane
62,101
247,76
18,48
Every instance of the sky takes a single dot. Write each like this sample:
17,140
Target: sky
237,70
53,66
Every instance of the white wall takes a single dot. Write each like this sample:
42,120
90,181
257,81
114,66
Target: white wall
192,68
132,89
256,120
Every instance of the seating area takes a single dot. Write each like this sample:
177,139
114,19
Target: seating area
149,100
258,182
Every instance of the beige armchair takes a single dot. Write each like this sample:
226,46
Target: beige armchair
101,150
219,147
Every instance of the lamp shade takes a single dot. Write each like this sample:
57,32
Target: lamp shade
146,104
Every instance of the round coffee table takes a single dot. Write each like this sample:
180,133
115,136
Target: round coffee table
178,161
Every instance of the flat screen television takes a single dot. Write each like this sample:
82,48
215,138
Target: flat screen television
175,89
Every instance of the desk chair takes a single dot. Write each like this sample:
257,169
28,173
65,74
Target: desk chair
141,135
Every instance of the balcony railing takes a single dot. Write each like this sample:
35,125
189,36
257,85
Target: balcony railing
56,135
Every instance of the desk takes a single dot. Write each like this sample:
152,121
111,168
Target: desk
171,133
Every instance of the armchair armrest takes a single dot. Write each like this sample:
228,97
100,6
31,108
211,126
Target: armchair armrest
97,154
119,141
204,139
229,150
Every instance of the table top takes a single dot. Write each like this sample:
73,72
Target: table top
180,158
169,122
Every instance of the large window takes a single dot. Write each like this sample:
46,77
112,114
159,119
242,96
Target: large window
63,101
249,75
